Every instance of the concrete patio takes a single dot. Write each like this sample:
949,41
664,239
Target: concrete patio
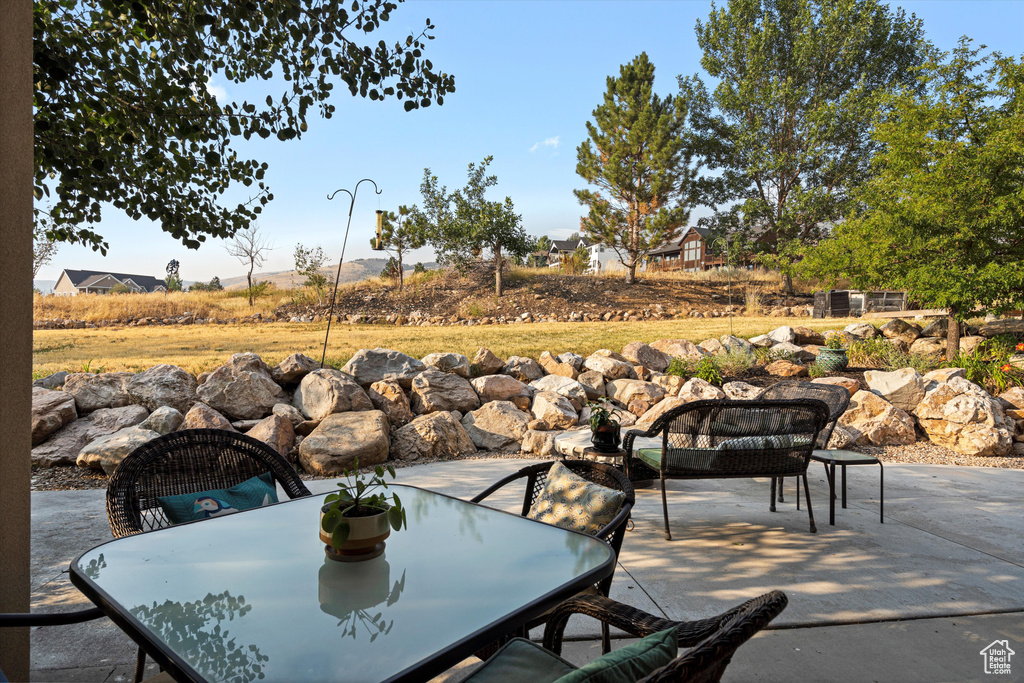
913,599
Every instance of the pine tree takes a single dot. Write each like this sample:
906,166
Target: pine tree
400,234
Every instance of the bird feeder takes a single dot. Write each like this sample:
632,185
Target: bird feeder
378,244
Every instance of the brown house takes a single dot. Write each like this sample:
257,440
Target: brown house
73,282
690,252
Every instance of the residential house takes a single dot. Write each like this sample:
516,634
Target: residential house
603,259
561,249
72,282
690,252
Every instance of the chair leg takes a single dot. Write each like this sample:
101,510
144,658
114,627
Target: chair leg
140,666
664,507
810,512
771,497
606,638
797,492
781,482
881,493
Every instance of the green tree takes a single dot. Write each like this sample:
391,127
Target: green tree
124,114
308,263
419,268
464,223
401,233
213,285
943,217
543,244
636,156
172,282
787,127
576,263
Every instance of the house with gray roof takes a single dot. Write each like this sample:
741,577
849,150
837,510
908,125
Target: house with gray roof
73,282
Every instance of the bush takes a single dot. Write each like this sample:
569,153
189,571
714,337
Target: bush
707,369
815,371
736,362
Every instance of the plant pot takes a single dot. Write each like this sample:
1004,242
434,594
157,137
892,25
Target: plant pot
832,360
605,439
365,537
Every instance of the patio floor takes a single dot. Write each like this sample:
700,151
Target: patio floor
916,598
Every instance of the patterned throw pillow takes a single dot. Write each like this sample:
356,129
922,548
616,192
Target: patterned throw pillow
251,493
574,503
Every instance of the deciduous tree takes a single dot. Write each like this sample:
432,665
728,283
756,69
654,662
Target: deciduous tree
308,263
43,250
250,247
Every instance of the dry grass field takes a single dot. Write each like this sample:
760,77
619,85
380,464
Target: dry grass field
203,347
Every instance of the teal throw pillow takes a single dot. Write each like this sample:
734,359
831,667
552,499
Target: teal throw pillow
628,664
251,493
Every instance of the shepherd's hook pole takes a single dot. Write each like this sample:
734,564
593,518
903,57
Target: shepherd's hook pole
337,278
728,271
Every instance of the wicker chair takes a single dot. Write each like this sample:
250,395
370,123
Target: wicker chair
713,641
837,398
599,473
188,461
729,439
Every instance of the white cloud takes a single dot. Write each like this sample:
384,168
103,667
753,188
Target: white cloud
218,91
549,142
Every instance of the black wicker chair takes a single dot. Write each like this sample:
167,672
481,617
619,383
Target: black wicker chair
729,439
188,461
599,473
713,641
837,398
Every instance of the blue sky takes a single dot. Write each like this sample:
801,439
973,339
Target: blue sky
528,74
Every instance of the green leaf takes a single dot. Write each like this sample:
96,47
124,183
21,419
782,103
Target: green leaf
340,534
330,520
395,518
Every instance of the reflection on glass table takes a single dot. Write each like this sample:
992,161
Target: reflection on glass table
256,587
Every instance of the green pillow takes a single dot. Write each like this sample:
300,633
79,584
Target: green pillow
572,502
251,493
521,661
628,664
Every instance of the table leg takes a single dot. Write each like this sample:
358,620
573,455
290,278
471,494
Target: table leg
881,492
832,494
844,485
771,497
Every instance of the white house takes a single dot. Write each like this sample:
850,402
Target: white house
72,282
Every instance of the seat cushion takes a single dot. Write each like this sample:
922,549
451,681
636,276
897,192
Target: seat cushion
251,493
765,442
572,502
521,661
650,456
628,664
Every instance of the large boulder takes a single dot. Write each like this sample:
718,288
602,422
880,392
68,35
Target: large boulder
486,363
163,420
454,363
870,420
609,368
107,452
341,438
92,392
242,388
793,351
785,368
553,366
593,383
963,417
929,346
733,344
861,330
496,426
647,419
942,375
372,365
435,391
570,358
55,381
805,336
625,390
523,369
540,443
570,388
902,330
679,348
388,397
641,354
503,388
290,413
276,431
670,383
554,409
851,385
712,347
323,392
51,410
202,416
63,447
782,335
293,368
970,344
762,341
436,435
936,328
697,389
903,388
741,391
163,385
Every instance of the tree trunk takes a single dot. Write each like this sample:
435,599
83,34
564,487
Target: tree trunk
248,278
631,273
952,334
497,270
787,286
401,273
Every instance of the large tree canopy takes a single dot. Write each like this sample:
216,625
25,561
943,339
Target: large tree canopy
124,114
788,124
944,215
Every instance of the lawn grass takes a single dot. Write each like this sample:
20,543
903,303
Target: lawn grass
204,347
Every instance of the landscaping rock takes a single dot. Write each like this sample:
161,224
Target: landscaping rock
503,388
437,435
970,344
762,341
997,327
496,426
573,359
647,419
435,391
929,346
609,368
163,420
388,397
840,439
552,366
554,409
538,425
1013,397
202,416
647,356
164,385
851,385
625,417
679,348
902,330
63,447
785,368
943,375
861,330
92,392
486,363
697,389
593,384
624,391
733,344
870,420
782,335
455,363
670,383
243,388
323,392
963,417
293,368
341,438
793,351
54,381
540,443
903,388
740,391
523,369
276,431
936,328
107,452
805,336
290,413
372,365
51,410
564,386
712,347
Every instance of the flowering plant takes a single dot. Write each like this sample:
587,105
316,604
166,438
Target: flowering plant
834,341
1020,347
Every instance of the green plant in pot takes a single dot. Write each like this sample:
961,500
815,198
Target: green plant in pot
604,426
832,356
355,521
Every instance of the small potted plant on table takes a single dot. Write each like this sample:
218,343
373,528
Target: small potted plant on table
355,521
604,426
832,356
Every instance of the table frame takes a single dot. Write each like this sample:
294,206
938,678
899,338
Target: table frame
425,669
830,473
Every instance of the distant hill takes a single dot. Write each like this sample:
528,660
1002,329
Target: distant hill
353,271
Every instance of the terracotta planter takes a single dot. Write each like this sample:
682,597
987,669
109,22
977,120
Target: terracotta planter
606,438
832,360
365,538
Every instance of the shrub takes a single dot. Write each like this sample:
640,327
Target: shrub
736,362
678,367
815,371
707,370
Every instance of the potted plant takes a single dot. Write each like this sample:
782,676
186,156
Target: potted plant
604,426
355,521
832,356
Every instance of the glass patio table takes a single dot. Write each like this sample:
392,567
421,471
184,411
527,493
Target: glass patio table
252,596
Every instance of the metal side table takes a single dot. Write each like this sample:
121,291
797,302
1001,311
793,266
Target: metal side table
831,458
